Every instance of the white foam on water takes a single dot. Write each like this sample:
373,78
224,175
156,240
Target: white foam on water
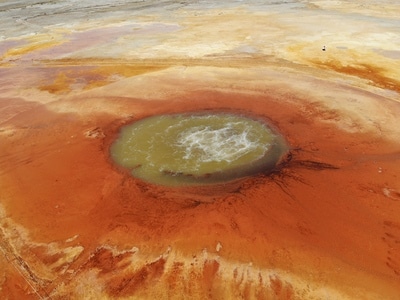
227,143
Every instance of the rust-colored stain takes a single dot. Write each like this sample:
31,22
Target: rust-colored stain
370,72
315,208
128,284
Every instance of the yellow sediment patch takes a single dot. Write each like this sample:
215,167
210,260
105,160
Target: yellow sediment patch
60,84
95,75
30,47
377,75
381,71
35,43
124,70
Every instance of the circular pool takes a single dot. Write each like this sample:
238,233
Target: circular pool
200,148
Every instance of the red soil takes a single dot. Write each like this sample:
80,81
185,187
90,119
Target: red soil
322,214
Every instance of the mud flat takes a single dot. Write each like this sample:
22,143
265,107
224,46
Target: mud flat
324,223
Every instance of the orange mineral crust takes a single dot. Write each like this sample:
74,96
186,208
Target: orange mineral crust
323,224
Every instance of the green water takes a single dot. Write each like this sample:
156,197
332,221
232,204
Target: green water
196,149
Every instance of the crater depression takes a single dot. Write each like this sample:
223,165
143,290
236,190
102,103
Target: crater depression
190,149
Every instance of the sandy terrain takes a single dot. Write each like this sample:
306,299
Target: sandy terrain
323,225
